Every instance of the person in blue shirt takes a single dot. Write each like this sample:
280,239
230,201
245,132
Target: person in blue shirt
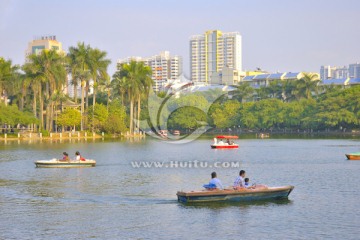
215,181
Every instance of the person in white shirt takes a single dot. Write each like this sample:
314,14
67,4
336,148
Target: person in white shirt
214,180
240,180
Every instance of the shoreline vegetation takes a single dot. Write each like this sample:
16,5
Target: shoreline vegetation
243,134
32,99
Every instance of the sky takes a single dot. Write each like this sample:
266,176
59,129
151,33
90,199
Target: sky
277,35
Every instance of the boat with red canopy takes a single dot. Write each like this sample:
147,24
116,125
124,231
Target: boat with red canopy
225,141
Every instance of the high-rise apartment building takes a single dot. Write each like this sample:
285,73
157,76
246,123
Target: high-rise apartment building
212,51
164,68
354,70
41,43
328,72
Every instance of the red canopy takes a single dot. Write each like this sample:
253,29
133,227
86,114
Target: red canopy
227,137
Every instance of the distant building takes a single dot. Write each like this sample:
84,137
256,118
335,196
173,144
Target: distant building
211,52
354,70
227,76
264,79
164,68
41,43
328,72
47,42
343,82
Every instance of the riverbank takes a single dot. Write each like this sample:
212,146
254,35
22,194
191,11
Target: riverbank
64,136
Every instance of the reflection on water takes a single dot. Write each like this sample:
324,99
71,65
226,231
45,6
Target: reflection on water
219,205
117,201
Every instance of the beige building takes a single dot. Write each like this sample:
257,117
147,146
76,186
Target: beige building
227,76
41,43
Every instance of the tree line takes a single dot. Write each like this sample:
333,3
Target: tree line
292,104
35,91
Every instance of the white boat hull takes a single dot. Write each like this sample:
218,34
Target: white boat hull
55,163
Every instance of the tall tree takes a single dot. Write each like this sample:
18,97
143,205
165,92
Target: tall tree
8,73
307,85
79,61
243,92
47,74
98,65
135,79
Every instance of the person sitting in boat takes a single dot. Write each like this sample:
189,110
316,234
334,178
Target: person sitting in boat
240,180
215,181
221,142
228,142
65,157
246,180
79,157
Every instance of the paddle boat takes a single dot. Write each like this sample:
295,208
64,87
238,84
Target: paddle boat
353,156
56,163
226,141
231,195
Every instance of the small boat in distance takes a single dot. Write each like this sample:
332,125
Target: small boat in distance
55,163
230,195
163,133
229,143
353,156
176,132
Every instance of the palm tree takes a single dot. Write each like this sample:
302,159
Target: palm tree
307,85
79,61
98,68
106,86
8,73
243,91
134,79
275,89
47,73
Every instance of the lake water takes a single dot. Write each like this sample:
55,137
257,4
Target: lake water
116,200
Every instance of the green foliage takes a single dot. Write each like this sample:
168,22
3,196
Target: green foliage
100,114
187,118
226,116
69,118
12,115
116,120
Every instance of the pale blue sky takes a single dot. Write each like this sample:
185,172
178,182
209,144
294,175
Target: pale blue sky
278,35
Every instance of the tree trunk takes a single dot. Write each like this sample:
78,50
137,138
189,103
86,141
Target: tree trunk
107,101
82,104
41,111
132,115
138,112
93,107
34,105
87,95
75,93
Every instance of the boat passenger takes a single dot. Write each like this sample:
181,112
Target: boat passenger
214,180
221,142
246,180
79,157
228,142
65,157
240,180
